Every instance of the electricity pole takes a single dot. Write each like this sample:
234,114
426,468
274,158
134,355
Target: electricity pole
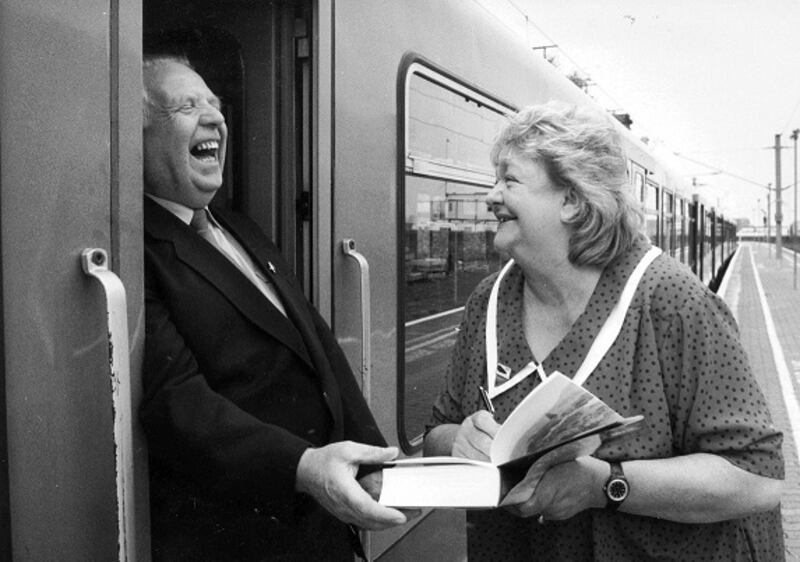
778,189
795,134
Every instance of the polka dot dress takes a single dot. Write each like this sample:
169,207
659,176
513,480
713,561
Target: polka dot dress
678,362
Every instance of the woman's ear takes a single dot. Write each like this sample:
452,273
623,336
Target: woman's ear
570,207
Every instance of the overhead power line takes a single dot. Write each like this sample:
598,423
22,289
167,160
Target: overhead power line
720,170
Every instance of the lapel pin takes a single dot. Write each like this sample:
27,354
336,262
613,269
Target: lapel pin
271,267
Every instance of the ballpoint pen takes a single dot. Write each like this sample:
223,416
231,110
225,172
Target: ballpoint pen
486,400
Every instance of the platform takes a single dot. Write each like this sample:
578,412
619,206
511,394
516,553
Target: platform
760,290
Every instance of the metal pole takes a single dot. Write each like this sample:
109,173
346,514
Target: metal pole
769,218
778,208
795,133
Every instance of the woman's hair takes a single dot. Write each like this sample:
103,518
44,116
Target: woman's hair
582,153
150,65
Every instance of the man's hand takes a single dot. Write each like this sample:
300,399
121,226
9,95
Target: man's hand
474,437
373,482
328,475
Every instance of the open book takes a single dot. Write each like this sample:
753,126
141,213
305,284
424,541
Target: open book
557,422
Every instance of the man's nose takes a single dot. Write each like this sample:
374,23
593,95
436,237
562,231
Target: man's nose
212,116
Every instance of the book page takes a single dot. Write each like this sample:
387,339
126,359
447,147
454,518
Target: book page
441,484
411,461
554,412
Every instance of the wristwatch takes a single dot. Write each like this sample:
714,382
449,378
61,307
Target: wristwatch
616,487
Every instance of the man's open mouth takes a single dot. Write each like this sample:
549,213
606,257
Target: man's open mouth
206,151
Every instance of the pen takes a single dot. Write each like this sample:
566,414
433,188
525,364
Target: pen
486,400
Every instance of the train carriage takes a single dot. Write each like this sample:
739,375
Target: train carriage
358,138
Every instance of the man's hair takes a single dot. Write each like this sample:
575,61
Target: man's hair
150,65
582,153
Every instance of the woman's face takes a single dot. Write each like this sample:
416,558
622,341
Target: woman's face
529,207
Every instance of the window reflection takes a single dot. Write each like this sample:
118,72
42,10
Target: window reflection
448,232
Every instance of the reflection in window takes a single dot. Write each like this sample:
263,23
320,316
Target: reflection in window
448,231
650,201
669,239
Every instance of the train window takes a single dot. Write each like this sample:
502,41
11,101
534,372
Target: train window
681,226
448,231
669,241
638,182
651,211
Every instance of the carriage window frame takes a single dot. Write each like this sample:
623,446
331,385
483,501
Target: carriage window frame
424,167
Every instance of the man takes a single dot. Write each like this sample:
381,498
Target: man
255,425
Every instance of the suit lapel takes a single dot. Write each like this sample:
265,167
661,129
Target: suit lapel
208,262
294,301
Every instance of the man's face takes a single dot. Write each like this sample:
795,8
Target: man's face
184,137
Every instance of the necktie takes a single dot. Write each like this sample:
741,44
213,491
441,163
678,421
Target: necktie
200,224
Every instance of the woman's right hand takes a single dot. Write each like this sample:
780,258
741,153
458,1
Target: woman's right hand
474,437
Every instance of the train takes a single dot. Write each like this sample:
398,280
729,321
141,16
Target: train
359,133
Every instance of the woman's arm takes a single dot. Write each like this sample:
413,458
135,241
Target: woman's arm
439,440
696,488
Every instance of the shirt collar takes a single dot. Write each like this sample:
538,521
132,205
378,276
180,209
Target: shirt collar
183,212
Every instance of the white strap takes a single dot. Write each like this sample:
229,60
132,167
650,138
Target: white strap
604,340
610,330
492,366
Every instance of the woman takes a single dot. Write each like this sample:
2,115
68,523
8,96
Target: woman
704,482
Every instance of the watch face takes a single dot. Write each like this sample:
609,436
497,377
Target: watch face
617,489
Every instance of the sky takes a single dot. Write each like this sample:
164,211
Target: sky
709,83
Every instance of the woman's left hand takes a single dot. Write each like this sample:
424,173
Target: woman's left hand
565,490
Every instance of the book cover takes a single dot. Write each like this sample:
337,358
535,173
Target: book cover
557,422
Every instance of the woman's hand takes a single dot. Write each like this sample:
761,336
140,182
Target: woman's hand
474,437
565,490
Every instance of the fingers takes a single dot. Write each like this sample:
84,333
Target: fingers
474,437
368,454
485,423
354,505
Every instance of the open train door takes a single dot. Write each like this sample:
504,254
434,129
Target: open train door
70,174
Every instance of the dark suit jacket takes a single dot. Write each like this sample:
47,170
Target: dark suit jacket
234,393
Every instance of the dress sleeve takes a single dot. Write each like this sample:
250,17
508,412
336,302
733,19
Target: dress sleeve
458,397
716,405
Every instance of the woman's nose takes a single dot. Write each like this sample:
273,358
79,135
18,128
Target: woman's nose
494,196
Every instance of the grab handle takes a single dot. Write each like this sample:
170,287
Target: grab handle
349,248
94,262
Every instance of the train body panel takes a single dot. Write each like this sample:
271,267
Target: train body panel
361,120
71,162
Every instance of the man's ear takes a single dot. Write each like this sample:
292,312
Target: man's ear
570,207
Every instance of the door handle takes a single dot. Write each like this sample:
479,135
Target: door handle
349,248
94,262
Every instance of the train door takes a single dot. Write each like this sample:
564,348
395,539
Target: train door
255,57
70,174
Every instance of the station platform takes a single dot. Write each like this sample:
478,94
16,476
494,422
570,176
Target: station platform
763,292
